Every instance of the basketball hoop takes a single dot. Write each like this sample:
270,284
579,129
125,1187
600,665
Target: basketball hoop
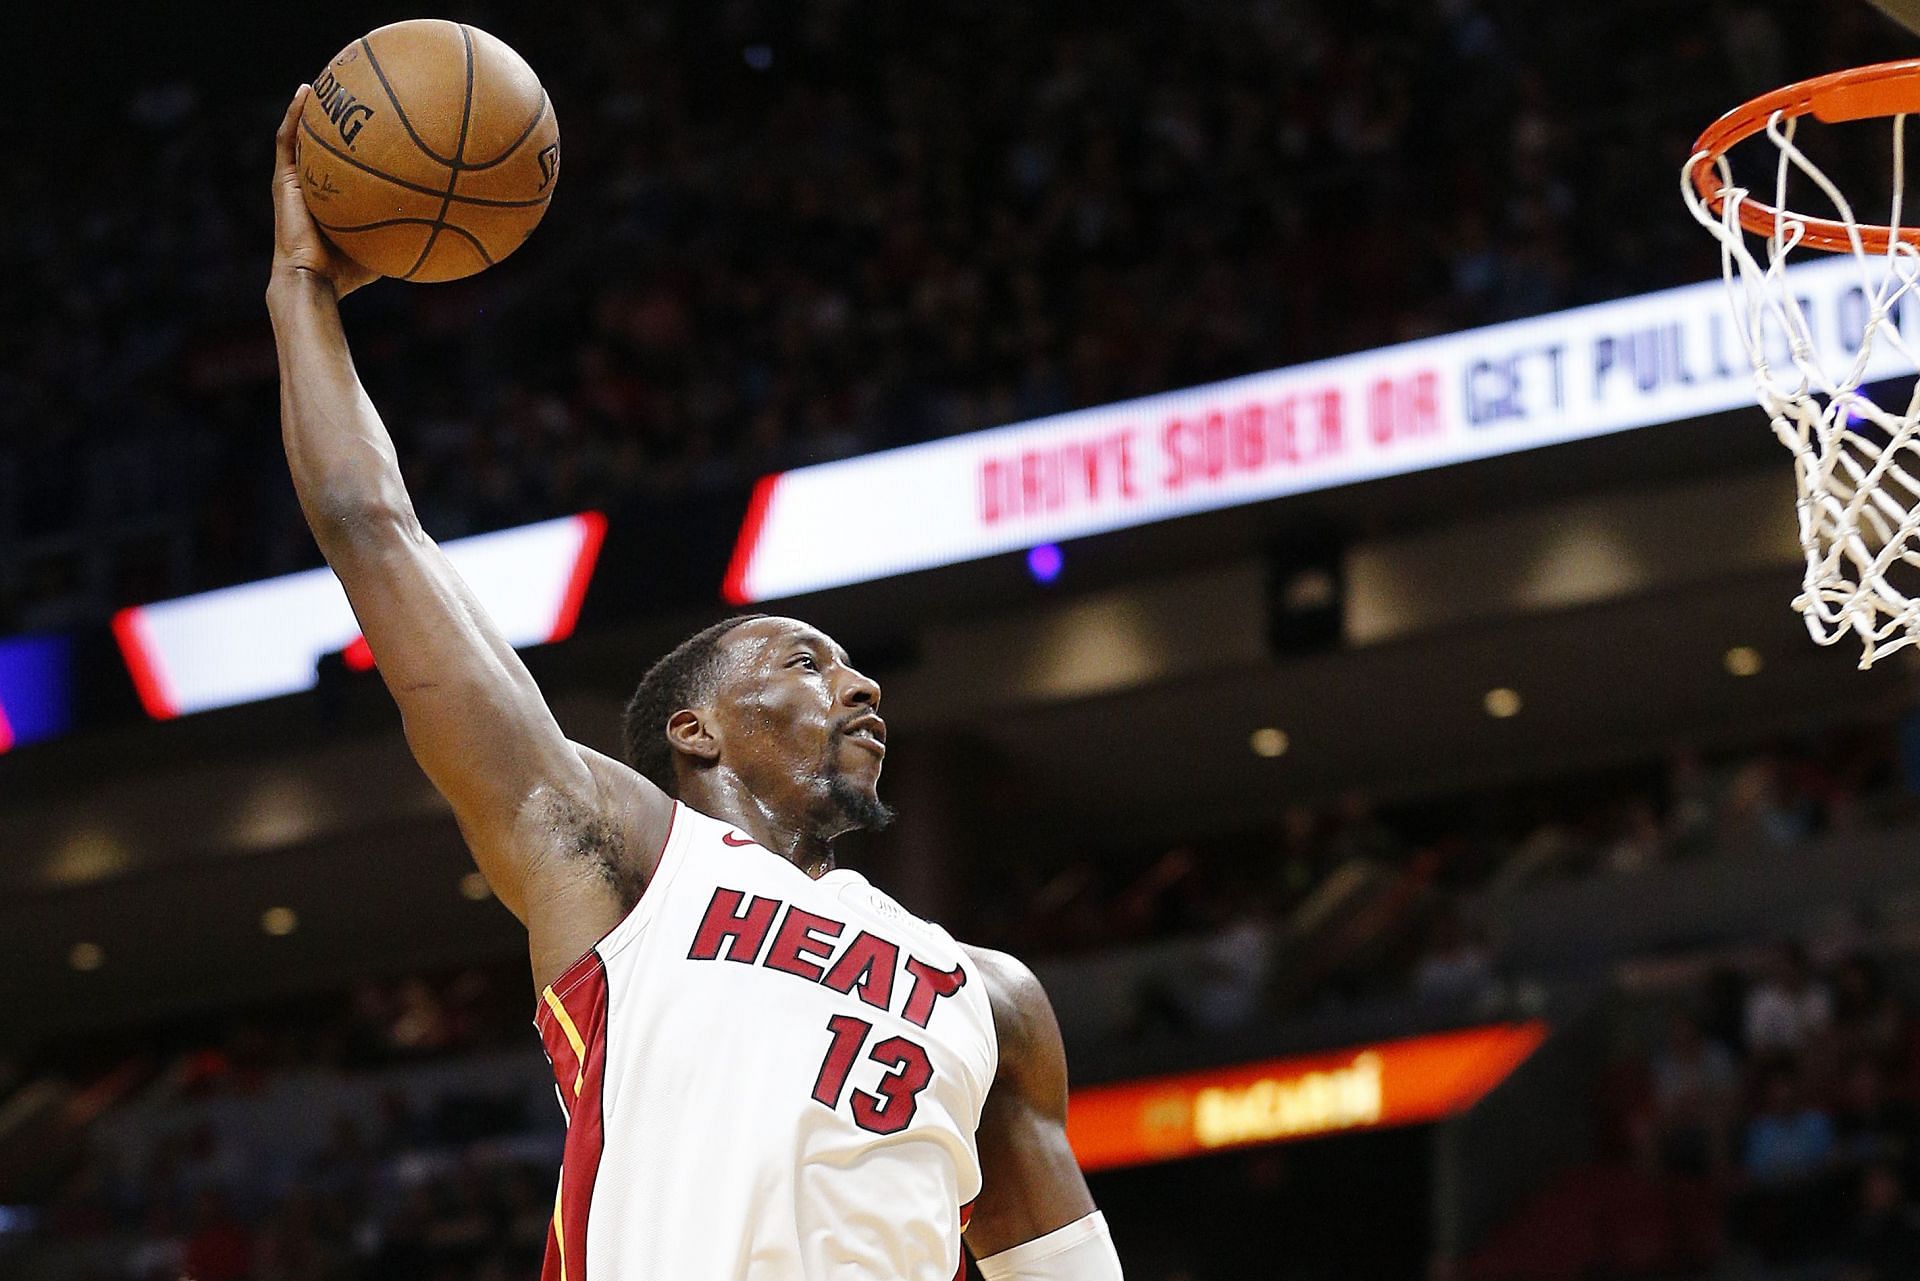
1856,464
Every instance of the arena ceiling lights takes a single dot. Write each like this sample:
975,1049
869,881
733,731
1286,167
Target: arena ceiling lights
262,640
1656,358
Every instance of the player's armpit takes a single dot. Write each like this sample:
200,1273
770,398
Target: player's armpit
1031,1185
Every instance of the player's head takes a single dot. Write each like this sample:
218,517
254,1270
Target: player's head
770,708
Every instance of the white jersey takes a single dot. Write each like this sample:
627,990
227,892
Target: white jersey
767,1077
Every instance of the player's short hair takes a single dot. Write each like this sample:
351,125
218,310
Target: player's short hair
681,679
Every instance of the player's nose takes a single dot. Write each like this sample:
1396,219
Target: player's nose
860,690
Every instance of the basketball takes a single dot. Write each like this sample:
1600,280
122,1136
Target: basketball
428,150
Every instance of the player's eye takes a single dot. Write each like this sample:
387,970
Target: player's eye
803,660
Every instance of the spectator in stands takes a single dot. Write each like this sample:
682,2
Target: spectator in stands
1789,1158
1225,993
1695,1092
1458,965
1637,842
1791,1140
1550,847
419,1024
1222,992
1690,805
1787,1006
1754,815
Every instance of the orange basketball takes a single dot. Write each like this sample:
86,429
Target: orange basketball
428,150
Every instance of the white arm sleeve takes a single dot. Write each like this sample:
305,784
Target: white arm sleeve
1081,1251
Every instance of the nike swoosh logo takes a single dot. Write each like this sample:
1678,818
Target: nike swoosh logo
728,838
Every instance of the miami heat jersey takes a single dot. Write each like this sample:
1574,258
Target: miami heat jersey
767,1077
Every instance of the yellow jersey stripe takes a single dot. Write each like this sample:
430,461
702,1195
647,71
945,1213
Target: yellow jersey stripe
573,1038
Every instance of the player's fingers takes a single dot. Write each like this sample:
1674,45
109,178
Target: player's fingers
290,218
289,126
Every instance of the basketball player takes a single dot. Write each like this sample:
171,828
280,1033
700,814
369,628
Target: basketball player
771,1071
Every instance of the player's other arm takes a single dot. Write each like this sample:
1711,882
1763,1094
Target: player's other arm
543,823
1034,1219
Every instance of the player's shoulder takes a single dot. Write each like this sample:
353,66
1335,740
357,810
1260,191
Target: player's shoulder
1004,973
1022,1015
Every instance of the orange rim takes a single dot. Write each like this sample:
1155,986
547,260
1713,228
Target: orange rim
1861,93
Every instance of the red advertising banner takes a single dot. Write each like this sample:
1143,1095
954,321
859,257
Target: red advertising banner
1423,1078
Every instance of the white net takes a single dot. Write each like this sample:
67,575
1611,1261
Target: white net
1855,463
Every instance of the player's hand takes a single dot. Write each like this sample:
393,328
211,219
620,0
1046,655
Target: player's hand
299,246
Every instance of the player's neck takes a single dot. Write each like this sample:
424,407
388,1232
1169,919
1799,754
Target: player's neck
725,797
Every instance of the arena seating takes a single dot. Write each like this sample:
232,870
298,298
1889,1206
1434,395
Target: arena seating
763,255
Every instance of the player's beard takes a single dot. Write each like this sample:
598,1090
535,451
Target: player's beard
861,808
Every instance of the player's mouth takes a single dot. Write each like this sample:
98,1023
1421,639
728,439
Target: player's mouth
868,731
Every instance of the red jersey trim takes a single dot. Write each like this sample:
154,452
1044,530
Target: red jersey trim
966,1217
575,1033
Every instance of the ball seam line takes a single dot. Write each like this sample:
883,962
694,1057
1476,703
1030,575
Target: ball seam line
515,145
482,201
399,111
459,153
454,227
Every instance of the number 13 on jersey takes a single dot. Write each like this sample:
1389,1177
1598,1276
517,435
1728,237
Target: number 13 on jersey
889,1111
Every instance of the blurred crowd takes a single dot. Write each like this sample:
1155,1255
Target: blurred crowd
793,232
1499,839
1770,1128
1349,902
446,1184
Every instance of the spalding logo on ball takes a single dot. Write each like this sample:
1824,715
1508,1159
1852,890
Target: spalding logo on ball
347,112
428,150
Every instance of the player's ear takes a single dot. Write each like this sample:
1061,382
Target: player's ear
691,734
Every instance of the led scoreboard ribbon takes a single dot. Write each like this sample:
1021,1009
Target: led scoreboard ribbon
262,640
1656,358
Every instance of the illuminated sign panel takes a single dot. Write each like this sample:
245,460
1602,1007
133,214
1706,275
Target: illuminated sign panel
1657,358
1394,1083
262,640
36,689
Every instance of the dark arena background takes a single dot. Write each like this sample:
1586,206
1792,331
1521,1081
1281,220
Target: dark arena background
1378,716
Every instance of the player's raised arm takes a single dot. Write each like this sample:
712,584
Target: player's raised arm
543,823
1035,1219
